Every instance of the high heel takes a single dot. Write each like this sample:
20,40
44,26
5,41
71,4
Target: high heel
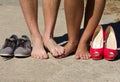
97,42
110,49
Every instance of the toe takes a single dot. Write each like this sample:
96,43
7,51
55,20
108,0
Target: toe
55,53
60,51
33,55
38,57
89,55
82,57
86,57
77,56
45,56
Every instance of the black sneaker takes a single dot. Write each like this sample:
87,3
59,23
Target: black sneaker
9,46
23,48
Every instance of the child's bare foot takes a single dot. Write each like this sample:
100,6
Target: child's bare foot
82,52
53,47
38,50
70,47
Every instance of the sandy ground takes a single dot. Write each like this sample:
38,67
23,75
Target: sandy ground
53,70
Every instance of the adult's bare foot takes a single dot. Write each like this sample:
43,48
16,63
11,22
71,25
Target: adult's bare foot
82,52
38,50
70,48
53,47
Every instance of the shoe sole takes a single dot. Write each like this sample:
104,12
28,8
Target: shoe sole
21,55
6,55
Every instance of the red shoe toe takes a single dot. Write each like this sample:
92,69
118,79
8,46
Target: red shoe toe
110,54
96,54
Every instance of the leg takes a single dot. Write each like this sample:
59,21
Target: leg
94,10
74,13
29,8
50,8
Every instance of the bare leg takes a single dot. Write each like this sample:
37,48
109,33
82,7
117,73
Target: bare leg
30,8
50,8
74,13
93,15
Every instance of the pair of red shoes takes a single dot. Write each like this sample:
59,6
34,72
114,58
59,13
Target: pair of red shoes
103,44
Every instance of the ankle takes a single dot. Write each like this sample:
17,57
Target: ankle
47,35
84,42
37,36
37,39
73,42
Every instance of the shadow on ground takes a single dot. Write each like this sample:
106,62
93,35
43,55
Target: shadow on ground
115,25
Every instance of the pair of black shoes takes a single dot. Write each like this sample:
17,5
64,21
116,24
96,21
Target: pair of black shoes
18,47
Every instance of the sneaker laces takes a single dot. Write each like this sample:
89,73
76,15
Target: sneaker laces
9,43
21,43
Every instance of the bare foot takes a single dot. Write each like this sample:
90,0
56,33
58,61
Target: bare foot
70,47
53,47
38,50
82,52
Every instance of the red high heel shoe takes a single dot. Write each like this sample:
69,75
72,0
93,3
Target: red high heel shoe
110,49
97,44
